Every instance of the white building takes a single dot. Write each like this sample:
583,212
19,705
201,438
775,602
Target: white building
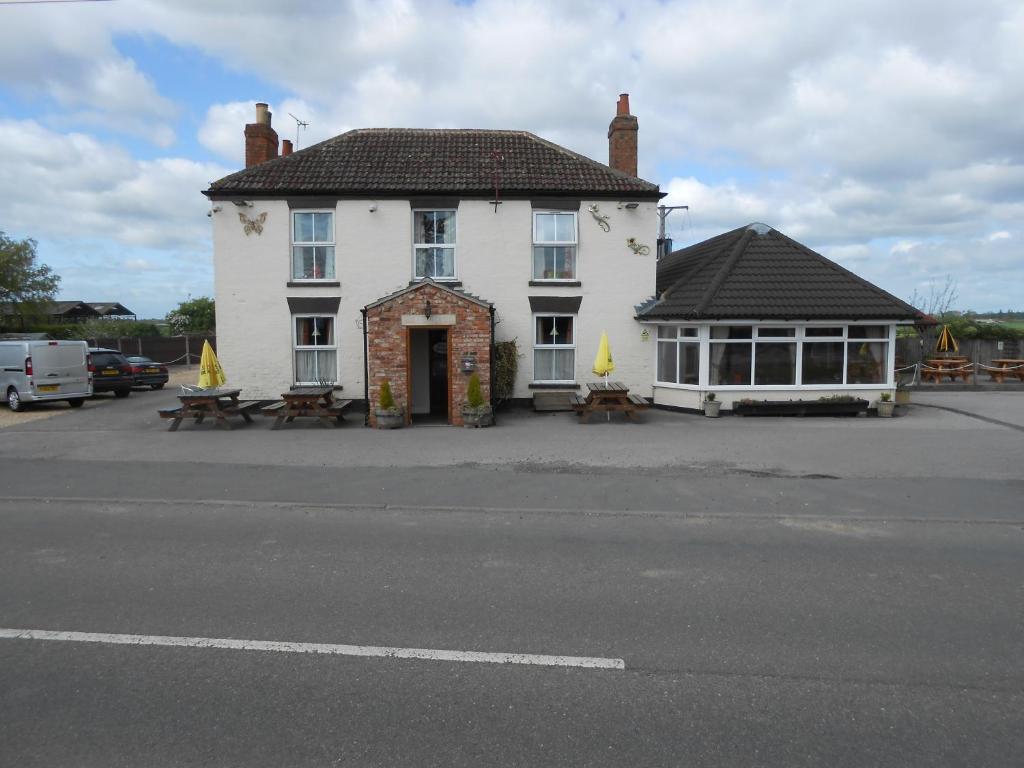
559,248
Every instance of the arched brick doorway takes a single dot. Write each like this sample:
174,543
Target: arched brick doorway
422,336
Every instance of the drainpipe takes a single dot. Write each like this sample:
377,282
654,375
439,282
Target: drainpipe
366,371
490,393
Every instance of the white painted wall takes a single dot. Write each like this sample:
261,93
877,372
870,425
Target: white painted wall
373,257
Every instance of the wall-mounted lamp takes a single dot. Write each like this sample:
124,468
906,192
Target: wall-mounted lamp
427,310
373,207
632,205
242,203
215,209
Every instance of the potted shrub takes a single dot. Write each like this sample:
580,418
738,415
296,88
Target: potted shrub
885,405
389,415
712,406
476,412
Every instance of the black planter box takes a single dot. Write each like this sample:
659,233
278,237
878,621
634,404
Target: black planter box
800,408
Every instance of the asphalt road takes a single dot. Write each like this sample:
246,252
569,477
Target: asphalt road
761,618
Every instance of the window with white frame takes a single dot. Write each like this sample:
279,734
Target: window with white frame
312,245
434,244
776,355
316,352
678,355
554,348
554,245
731,354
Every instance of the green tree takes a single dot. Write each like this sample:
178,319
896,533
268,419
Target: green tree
104,328
193,316
25,286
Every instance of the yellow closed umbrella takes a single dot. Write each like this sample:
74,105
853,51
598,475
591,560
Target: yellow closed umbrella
603,363
946,341
210,373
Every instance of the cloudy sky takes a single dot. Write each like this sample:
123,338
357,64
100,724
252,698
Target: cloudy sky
887,135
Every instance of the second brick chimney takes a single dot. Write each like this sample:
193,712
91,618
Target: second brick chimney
260,138
622,138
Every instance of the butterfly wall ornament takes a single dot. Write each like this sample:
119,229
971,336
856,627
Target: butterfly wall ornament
254,224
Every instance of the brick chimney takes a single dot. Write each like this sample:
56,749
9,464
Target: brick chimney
286,147
622,138
260,138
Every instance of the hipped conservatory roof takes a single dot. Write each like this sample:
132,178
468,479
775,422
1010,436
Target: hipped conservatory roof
756,272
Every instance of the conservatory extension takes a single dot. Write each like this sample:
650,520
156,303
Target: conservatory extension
752,314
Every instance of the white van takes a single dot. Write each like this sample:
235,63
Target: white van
38,371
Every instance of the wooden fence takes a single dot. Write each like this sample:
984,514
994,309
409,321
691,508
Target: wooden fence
910,350
169,350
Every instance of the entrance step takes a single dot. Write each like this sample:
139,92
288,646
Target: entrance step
552,401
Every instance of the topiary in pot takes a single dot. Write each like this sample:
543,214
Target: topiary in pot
711,406
476,412
885,405
389,415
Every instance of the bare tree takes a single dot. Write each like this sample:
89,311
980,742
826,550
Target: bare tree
939,299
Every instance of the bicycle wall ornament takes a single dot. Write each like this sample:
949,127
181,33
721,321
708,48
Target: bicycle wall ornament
601,219
638,248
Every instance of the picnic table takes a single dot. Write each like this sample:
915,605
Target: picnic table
607,397
218,402
953,367
1008,366
317,402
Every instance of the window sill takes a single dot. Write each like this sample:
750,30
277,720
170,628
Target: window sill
557,283
337,387
545,385
313,284
439,280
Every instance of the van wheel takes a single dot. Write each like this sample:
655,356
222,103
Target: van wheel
122,392
14,400
77,402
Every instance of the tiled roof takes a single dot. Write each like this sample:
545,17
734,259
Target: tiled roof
418,284
428,161
756,272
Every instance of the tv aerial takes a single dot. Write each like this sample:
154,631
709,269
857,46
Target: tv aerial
299,124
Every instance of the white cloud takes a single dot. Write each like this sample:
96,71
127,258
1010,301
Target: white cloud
98,212
850,127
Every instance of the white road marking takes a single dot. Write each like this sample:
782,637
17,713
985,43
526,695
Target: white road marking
428,654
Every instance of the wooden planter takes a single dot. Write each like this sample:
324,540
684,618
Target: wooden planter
390,419
801,408
477,417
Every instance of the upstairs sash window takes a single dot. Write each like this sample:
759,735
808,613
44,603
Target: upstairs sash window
434,244
554,245
312,245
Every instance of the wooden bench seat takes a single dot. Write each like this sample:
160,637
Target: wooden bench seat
245,407
639,402
171,413
577,402
339,405
272,409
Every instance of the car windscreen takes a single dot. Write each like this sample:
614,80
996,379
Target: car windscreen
103,359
